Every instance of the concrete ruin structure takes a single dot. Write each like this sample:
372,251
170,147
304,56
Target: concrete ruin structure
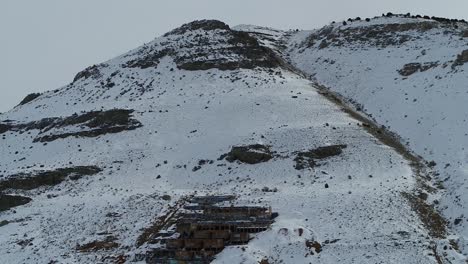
205,229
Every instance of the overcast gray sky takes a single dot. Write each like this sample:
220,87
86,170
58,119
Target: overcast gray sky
43,44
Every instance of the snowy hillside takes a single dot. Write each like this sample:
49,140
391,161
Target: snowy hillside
86,169
410,75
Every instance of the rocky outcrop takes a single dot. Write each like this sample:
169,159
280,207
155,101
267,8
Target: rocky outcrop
29,98
93,124
90,72
373,35
225,49
411,68
250,154
10,201
106,244
248,51
5,127
150,60
308,159
33,180
462,58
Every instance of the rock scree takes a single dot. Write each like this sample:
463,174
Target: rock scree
204,24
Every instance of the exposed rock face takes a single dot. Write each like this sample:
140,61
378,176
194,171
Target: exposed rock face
250,55
150,60
375,35
10,201
29,181
92,71
307,159
29,98
461,59
251,154
93,124
199,24
411,68
218,47
5,128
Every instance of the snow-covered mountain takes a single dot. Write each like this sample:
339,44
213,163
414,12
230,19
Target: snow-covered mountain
97,161
410,75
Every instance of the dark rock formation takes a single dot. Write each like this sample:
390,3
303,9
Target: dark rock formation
92,71
373,35
411,68
150,60
94,124
251,154
10,201
229,50
249,52
5,128
199,24
461,59
100,122
29,98
29,181
307,159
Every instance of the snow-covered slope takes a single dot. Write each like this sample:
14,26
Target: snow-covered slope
410,75
130,137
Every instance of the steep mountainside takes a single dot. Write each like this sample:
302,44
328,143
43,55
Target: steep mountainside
87,169
410,75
